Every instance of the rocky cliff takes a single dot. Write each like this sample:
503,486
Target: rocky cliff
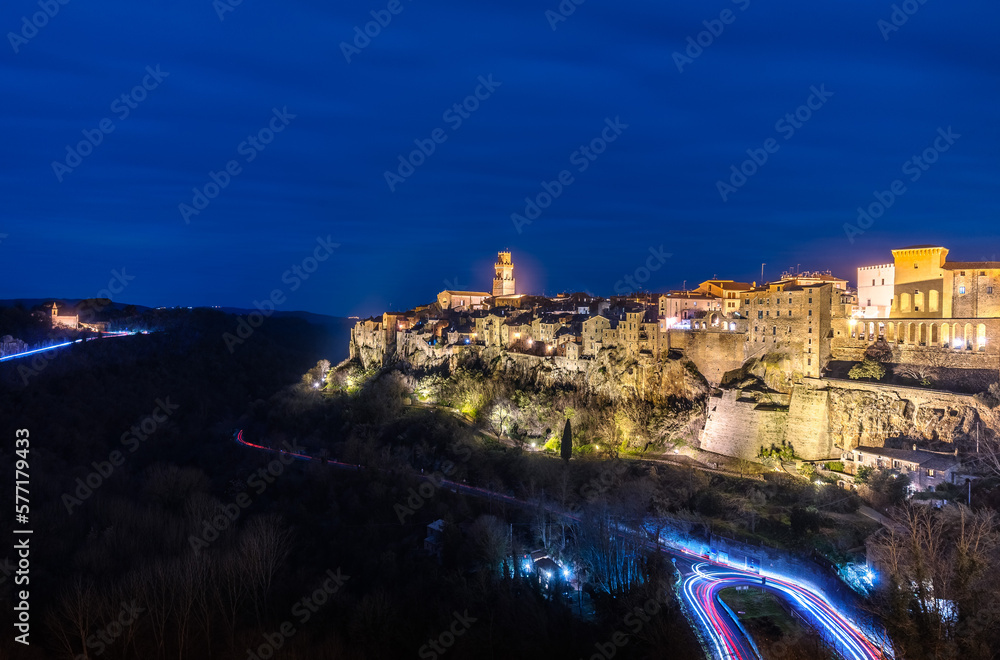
820,417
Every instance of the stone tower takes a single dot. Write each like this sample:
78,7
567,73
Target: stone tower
503,281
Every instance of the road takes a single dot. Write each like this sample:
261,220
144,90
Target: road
701,580
725,635
37,351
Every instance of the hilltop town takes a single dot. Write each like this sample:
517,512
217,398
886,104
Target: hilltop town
807,358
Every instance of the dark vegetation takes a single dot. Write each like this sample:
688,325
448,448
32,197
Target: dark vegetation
127,538
150,535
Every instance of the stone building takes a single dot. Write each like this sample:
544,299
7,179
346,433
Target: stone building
677,306
462,300
792,319
64,321
593,335
503,280
729,292
925,469
875,290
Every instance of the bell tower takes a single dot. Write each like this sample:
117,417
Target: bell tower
503,281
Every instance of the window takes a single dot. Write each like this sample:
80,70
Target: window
810,329
869,302
778,313
810,301
809,361
962,273
774,329
961,290
930,473
989,289
810,341
873,282
915,265
883,281
982,273
789,300
810,312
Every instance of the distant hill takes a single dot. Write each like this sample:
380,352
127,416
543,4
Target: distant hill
28,303
338,328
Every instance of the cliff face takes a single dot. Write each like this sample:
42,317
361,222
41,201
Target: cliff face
612,374
820,417
866,414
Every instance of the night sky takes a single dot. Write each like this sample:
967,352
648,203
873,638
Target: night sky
884,95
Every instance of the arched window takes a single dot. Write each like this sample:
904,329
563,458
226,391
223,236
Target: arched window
933,299
904,302
981,337
918,301
946,335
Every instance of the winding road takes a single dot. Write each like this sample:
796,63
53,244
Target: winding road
701,580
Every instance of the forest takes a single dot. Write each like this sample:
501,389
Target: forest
186,543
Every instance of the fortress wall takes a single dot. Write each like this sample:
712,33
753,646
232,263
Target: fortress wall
808,423
738,426
713,352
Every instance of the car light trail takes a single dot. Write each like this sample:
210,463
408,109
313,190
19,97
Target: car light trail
725,636
38,350
35,351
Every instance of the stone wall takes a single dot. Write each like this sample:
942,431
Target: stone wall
714,352
739,425
809,422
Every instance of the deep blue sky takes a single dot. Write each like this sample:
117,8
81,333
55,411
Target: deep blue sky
324,174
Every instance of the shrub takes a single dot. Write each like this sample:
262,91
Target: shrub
867,368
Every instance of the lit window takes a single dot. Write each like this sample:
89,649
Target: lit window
961,290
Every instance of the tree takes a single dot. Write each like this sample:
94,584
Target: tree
501,416
880,352
566,450
867,368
